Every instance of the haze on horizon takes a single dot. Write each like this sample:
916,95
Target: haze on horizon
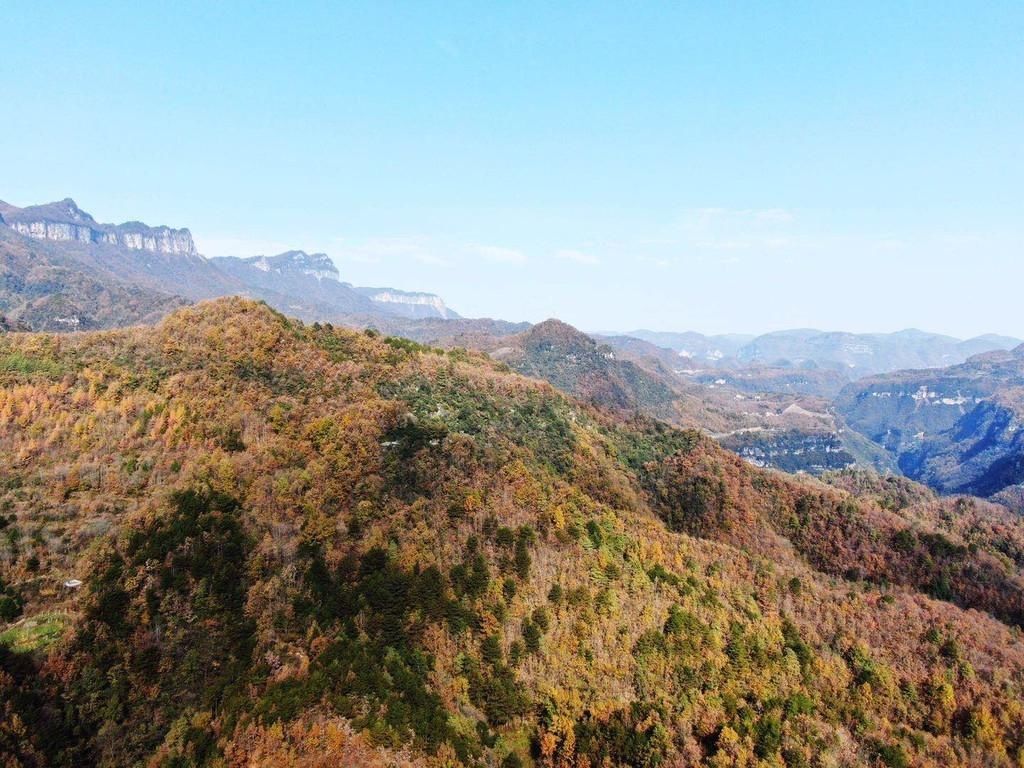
673,168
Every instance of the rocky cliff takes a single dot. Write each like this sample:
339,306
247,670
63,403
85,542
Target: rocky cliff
64,221
318,265
411,304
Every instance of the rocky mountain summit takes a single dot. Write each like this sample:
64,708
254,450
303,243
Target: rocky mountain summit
64,221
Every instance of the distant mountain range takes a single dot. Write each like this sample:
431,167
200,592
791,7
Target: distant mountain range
852,354
959,429
64,270
45,286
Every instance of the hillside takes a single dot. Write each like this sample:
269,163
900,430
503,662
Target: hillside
956,429
44,288
301,545
783,430
577,364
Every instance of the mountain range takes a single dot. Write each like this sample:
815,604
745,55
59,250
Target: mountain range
234,538
851,355
769,398
156,264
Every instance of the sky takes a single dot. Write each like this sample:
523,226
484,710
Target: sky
719,167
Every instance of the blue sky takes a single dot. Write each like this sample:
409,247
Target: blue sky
706,166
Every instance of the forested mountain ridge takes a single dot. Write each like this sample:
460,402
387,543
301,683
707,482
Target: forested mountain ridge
305,545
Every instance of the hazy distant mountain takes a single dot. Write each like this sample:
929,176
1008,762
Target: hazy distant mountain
959,429
156,263
853,354
156,258
696,345
411,304
309,281
868,353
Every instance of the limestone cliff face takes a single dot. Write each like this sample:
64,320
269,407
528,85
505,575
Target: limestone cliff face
411,304
64,221
318,265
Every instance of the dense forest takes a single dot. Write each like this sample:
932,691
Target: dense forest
236,539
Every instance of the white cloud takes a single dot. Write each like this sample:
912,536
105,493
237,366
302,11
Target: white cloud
580,257
501,255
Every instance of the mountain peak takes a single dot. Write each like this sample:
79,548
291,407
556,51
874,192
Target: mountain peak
318,265
554,333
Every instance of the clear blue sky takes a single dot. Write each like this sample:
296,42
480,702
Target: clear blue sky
706,166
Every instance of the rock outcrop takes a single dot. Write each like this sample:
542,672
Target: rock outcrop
412,304
318,265
64,221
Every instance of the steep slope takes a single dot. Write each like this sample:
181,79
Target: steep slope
42,288
64,221
957,429
303,543
152,258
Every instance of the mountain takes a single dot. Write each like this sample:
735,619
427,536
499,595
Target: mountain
577,364
957,429
308,283
152,258
852,355
411,304
696,345
44,288
161,262
315,290
64,221
866,354
784,430
236,539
